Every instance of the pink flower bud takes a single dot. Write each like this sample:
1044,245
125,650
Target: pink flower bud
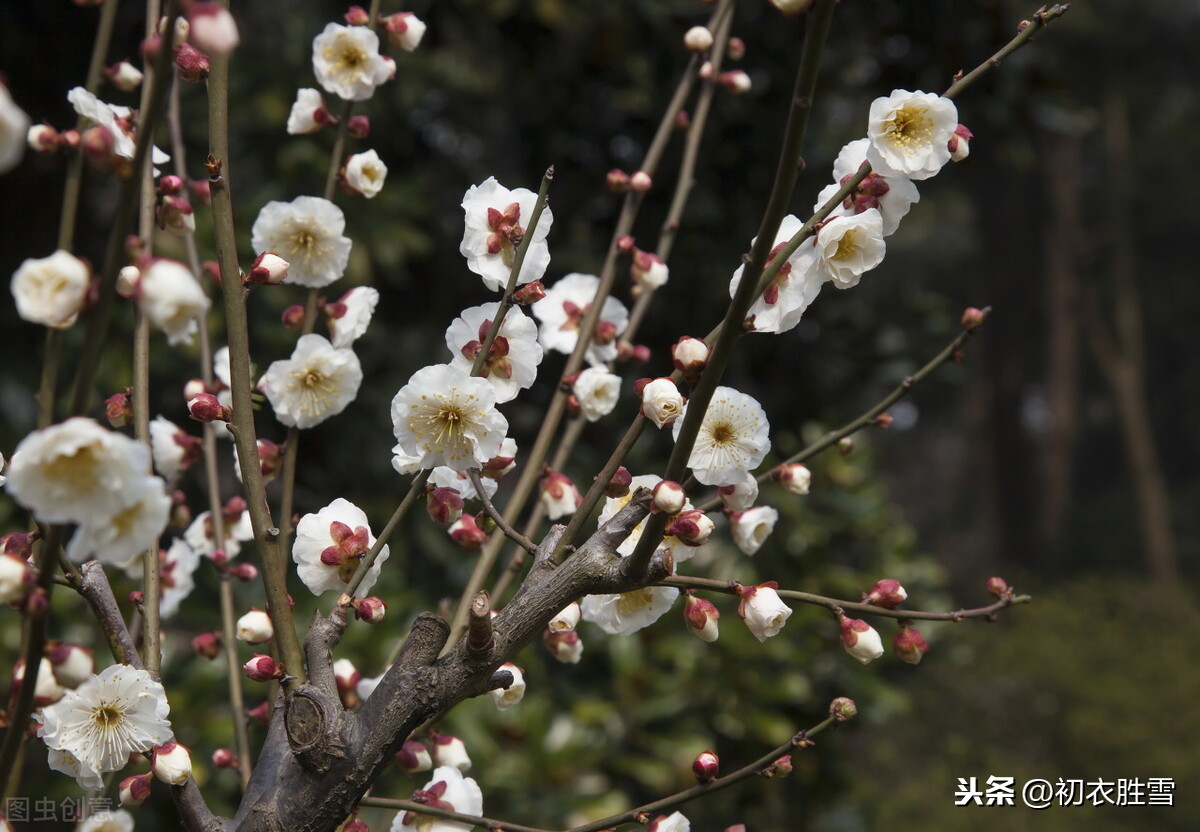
206,408
618,486
262,668
42,138
735,49
356,16
794,477
191,64
883,421
134,790
606,333
959,144
201,191
780,768
268,269
70,139
450,751
207,645
530,293
99,146
861,640
244,572
169,185
690,356
706,766
626,244
370,609
617,181
137,597
293,317
997,587
698,39
564,646
640,182
73,664
118,409
737,81
175,214
213,28
972,317
444,505
224,758
700,616
404,29
171,763
559,495
843,709
19,544
260,714
359,127
669,497
467,534
356,825
706,72
886,593
909,645
124,76
414,757
693,528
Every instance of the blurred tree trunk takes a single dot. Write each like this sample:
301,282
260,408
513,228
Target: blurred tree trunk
1062,176
1121,356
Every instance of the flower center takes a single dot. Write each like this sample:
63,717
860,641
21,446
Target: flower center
106,715
634,600
910,126
847,246
722,434
346,55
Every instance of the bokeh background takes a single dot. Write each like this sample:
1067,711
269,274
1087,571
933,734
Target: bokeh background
1059,454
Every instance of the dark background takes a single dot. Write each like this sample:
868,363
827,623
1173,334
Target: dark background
1060,453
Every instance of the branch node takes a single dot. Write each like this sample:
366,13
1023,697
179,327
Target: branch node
480,638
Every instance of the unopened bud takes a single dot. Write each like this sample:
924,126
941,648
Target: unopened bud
909,645
887,593
640,182
735,49
207,645
99,146
565,646
42,138
414,757
843,709
972,317
736,81
347,677
883,420
528,294
626,243
997,587
690,356
224,758
213,28
404,29
244,572
618,486
669,497
661,401
959,144
260,714
705,766
861,640
845,445
467,534
359,127
73,664
617,181
118,409
134,790
206,408
191,64
356,16
124,76
255,627
693,528
700,615
262,668
780,768
450,751
171,763
371,609
293,317
698,39
268,269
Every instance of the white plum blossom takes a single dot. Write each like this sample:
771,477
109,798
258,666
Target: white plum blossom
118,820
116,119
67,763
308,114
347,62
733,438
445,417
306,232
171,448
741,495
513,359
329,546
763,611
14,124
752,527
353,313
495,219
172,299
176,570
130,531
892,195
505,698
199,535
562,310
120,711
674,822
909,133
446,789
628,612
366,173
597,391
846,247
793,288
317,382
76,471
51,290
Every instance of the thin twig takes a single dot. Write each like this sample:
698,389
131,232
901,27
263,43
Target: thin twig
509,532
416,489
